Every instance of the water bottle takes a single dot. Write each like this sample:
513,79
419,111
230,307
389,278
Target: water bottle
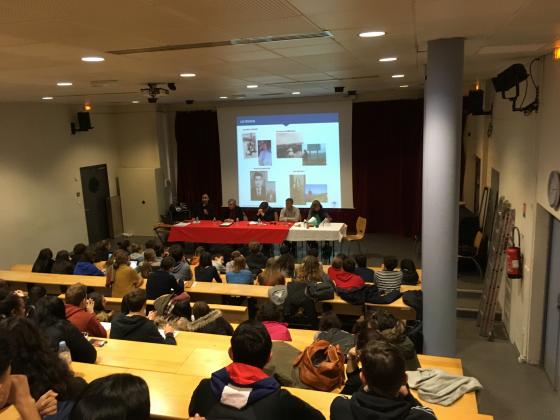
259,221
64,352
196,220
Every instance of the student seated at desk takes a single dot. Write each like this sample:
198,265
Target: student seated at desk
384,393
285,262
161,282
330,329
117,396
409,273
367,274
205,270
99,302
181,270
62,263
206,320
271,317
44,262
218,262
80,313
136,326
86,267
77,252
239,274
121,277
387,279
136,253
51,320
271,276
242,390
15,388
12,303
256,260
229,264
150,263
102,250
50,377
346,278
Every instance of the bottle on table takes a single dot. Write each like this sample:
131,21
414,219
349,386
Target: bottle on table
64,352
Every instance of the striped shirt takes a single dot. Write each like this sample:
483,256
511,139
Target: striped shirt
388,280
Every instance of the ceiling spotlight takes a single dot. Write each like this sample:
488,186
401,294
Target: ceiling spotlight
252,86
403,86
296,93
87,107
223,97
93,59
397,76
188,75
135,102
172,86
64,84
371,34
47,98
387,59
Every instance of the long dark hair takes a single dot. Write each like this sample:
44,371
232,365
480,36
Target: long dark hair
50,311
44,261
36,360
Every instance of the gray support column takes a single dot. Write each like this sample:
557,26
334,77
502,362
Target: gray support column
440,190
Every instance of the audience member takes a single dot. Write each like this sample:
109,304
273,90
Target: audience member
409,273
14,389
44,261
121,277
135,326
205,270
118,396
62,263
311,271
162,282
330,329
85,265
271,317
387,279
77,252
102,250
256,260
367,274
233,212
36,293
12,303
150,263
51,319
260,396
80,313
218,262
173,311
290,213
393,331
229,264
99,309
195,259
209,321
156,246
136,253
181,270
204,210
346,278
286,262
385,392
239,273
48,375
124,246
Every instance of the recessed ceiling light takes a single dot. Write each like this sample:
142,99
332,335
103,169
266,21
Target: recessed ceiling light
387,59
93,59
252,86
135,102
371,34
47,98
397,76
64,84
296,93
403,86
223,97
188,75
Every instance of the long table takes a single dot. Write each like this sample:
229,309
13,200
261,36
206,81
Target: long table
242,232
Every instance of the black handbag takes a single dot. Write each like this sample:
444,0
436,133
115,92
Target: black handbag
319,291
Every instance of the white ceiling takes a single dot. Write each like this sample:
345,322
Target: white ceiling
41,42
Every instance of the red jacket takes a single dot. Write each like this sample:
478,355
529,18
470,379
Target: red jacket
84,321
278,330
345,280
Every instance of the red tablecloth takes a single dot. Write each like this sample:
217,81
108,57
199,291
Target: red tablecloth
209,232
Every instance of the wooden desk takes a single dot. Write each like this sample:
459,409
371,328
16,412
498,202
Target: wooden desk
52,279
28,267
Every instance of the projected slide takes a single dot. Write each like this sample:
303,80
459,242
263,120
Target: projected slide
292,155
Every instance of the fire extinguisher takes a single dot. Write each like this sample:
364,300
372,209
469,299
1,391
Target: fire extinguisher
513,253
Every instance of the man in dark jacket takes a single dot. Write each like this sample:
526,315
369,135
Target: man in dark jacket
384,394
243,390
135,326
256,260
162,282
79,311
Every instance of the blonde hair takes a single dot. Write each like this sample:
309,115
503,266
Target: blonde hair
310,270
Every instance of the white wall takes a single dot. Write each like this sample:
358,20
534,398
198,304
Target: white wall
40,164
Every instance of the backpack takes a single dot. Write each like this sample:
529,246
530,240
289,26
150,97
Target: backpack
321,366
319,291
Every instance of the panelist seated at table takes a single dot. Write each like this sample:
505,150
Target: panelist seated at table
290,213
265,213
233,213
385,393
317,213
260,395
204,210
135,326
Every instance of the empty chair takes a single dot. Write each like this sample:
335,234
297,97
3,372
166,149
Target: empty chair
360,232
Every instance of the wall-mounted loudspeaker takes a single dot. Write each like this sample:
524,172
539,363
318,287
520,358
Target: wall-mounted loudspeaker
84,123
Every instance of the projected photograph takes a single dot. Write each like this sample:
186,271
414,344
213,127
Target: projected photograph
315,155
289,144
261,188
297,188
265,154
249,145
316,192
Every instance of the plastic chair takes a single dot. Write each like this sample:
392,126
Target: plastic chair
471,253
360,233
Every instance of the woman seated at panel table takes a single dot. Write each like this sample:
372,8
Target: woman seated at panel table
121,277
318,213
